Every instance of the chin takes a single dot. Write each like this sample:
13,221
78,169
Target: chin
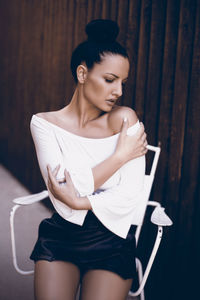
107,109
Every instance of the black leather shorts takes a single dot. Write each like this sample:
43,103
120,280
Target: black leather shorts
90,246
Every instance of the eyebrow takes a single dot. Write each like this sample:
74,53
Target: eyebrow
116,76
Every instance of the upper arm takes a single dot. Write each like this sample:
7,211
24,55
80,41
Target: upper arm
116,116
47,149
50,152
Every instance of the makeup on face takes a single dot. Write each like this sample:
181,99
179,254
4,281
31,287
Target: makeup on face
104,84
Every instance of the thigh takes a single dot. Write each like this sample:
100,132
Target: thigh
103,284
56,280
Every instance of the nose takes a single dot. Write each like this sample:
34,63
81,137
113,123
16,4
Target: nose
117,90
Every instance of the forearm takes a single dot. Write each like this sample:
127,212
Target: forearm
127,192
82,203
129,146
74,202
103,171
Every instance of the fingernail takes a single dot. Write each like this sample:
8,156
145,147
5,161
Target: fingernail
125,119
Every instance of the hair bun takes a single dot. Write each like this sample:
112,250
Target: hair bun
102,31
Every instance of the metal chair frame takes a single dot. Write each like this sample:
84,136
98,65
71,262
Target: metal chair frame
142,276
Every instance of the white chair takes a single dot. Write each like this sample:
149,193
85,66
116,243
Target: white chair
158,217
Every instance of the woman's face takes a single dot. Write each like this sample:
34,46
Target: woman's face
104,82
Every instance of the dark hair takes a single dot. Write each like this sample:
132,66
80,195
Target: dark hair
101,40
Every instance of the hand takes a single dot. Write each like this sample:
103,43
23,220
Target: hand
130,147
66,193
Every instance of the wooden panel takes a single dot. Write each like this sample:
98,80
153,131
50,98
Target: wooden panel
163,42
132,37
166,94
161,270
188,208
142,62
152,99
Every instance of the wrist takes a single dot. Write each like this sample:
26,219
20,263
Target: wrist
75,203
82,203
71,201
119,160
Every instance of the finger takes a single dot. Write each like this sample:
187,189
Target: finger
145,150
49,184
145,143
144,137
140,131
51,178
55,171
48,169
68,178
49,174
124,126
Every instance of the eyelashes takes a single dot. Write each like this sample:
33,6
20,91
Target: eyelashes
112,80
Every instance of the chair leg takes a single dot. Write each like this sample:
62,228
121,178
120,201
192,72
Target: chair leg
142,295
13,245
140,277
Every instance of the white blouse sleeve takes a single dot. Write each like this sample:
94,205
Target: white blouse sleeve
116,207
49,152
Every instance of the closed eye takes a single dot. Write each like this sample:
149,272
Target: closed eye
109,80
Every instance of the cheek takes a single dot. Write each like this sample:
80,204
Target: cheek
95,87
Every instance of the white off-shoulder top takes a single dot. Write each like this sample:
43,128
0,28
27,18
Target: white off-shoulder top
119,202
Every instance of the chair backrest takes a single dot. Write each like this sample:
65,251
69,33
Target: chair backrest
148,182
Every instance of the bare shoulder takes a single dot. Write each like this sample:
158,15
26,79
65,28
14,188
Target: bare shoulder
117,115
48,116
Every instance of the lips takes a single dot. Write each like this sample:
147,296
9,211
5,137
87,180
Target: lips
111,101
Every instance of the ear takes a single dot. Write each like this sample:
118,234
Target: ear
81,73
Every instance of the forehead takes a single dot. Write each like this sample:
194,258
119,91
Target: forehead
113,63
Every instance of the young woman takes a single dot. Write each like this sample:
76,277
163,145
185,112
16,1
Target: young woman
91,156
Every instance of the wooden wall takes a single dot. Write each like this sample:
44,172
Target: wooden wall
163,40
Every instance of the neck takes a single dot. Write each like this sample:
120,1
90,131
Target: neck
81,110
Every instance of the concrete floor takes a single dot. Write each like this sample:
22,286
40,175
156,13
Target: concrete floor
14,286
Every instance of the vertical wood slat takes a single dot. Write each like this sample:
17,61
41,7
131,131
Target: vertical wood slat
10,55
90,9
188,210
181,82
178,115
114,10
165,258
182,76
166,95
164,40
97,9
152,99
81,16
142,63
106,7
122,20
132,37
191,147
69,38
